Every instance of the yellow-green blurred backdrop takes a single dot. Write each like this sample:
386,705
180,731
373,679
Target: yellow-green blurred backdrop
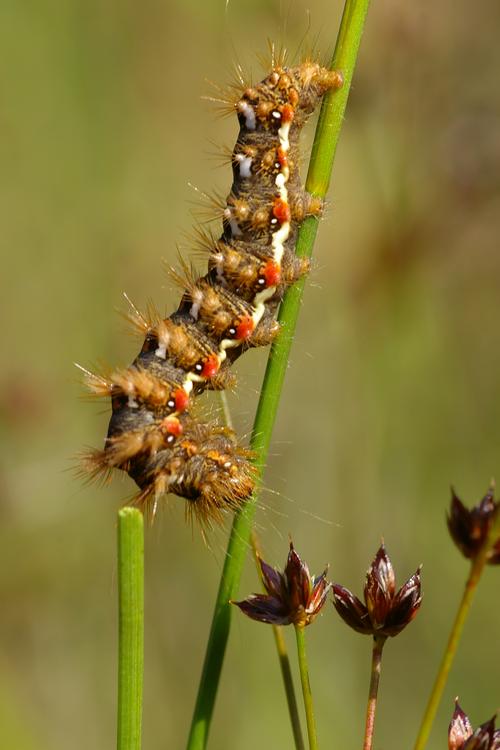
392,390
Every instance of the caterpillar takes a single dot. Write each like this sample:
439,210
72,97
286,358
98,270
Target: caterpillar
152,434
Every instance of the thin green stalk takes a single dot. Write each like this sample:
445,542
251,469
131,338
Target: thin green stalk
286,672
279,640
371,708
130,627
291,699
325,145
476,569
306,686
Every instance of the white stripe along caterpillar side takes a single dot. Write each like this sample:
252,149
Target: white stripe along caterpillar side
152,435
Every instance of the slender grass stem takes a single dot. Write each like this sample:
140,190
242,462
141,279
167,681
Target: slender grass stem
226,411
325,145
291,699
378,646
130,627
476,569
286,672
279,640
306,687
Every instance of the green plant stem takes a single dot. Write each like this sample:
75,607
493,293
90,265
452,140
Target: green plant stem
279,640
291,699
325,145
378,646
130,627
286,672
476,569
306,686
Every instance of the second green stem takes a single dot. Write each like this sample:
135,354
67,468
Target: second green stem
449,654
306,687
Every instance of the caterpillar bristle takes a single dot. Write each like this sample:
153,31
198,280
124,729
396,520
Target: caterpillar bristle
140,323
184,277
222,155
224,99
275,57
96,384
91,466
208,207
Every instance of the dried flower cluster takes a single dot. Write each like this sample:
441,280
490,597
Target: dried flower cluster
385,611
293,597
461,735
469,528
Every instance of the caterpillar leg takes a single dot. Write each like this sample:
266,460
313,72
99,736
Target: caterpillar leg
304,204
265,333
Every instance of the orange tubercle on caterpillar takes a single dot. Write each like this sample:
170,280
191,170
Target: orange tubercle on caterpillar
272,273
172,426
281,210
181,399
245,328
287,113
210,366
282,157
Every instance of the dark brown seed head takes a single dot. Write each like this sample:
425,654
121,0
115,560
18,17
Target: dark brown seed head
469,528
460,728
461,735
293,597
386,612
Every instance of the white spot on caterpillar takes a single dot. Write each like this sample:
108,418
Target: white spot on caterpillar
191,378
218,263
163,341
283,133
245,163
280,181
233,224
235,229
197,298
279,238
259,302
249,114
227,344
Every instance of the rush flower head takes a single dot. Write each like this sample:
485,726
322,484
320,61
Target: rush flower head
469,528
461,735
385,611
293,597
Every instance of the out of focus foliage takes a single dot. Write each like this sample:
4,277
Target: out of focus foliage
392,391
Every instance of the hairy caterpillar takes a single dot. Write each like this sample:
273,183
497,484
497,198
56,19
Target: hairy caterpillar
152,434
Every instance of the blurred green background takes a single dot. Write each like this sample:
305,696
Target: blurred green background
391,394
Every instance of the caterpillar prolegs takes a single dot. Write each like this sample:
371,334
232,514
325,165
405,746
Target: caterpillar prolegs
152,434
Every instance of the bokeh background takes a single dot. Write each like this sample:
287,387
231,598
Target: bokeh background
392,390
